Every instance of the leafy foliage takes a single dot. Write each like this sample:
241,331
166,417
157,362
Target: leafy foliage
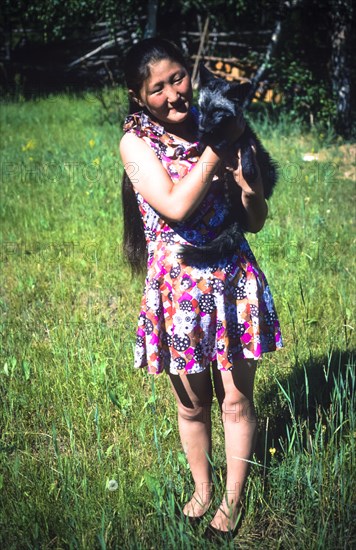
300,69
58,19
304,97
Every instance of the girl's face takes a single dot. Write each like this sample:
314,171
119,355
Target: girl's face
167,92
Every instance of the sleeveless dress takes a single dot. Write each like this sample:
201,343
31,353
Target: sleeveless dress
193,315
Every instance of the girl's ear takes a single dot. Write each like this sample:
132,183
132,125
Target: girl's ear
135,98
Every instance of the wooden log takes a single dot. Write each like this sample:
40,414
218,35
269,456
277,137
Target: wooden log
233,60
231,76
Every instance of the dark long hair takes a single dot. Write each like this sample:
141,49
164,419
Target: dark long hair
137,70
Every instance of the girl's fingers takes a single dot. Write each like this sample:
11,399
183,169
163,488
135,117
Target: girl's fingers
237,168
239,165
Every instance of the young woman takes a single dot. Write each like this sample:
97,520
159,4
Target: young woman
205,325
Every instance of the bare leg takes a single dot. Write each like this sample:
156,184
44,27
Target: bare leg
234,390
194,396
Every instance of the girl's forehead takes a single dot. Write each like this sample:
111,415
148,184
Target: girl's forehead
161,68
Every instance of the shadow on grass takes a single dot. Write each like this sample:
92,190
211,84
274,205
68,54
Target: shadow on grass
304,396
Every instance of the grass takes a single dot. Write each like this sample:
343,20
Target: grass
75,415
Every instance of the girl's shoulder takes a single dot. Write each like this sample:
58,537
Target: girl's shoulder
141,125
168,148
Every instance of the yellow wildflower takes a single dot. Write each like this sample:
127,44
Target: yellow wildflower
272,451
31,144
91,143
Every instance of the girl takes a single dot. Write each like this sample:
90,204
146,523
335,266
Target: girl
205,325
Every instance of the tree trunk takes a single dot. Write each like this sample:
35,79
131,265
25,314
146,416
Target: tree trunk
151,25
341,15
263,68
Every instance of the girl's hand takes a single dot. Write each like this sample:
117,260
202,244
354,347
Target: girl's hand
252,196
252,188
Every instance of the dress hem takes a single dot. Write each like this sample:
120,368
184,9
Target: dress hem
184,372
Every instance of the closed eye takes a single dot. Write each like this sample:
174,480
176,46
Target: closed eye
156,91
179,77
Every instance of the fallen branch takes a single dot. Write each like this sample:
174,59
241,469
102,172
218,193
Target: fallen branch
107,44
214,34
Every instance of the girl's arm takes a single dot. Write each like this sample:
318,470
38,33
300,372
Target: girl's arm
174,201
252,197
256,209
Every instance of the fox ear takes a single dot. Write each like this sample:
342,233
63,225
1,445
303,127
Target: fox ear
238,91
205,76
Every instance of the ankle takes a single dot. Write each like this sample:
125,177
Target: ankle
197,506
203,492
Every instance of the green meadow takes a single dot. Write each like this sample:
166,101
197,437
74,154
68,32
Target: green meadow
89,450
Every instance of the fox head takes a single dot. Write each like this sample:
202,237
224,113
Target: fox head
219,101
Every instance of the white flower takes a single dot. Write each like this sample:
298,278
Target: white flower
112,485
308,157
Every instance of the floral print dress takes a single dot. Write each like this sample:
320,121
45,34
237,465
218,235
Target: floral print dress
193,315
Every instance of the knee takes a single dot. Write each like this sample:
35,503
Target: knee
196,413
238,410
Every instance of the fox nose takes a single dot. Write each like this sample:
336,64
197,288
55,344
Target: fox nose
205,126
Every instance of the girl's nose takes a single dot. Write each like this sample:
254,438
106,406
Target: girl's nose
172,95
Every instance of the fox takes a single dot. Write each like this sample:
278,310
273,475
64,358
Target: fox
219,103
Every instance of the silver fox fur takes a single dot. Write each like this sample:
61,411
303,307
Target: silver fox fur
219,102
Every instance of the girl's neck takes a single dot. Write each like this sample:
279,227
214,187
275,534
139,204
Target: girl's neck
186,130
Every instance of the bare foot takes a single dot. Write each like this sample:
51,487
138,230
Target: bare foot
226,516
198,505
